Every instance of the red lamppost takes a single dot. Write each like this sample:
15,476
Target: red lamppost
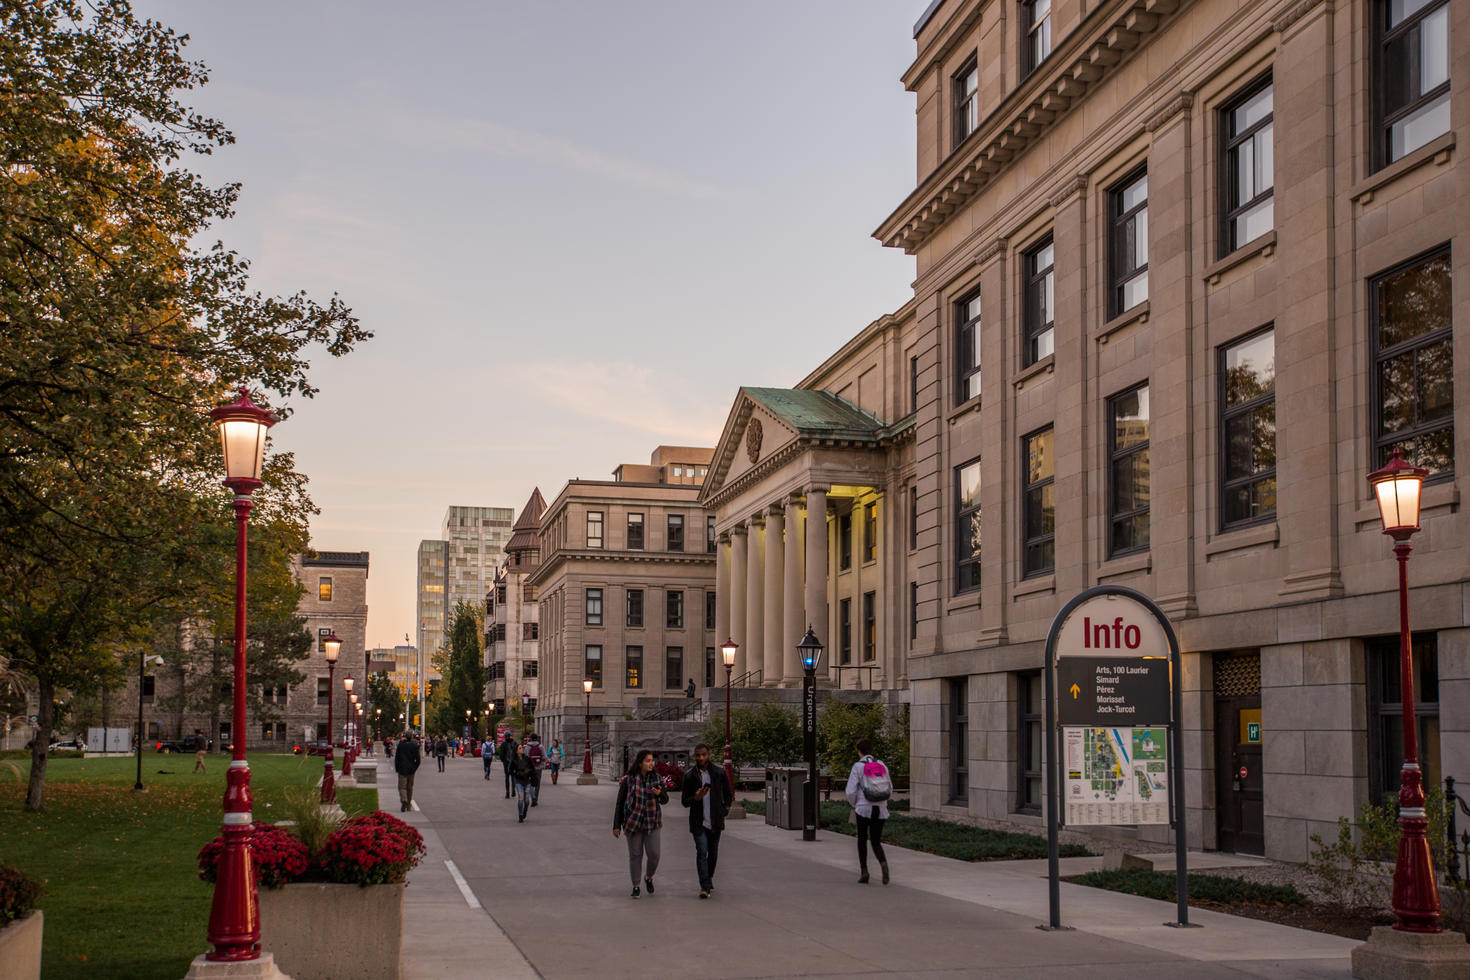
234,915
727,652
587,717
347,683
1415,894
333,648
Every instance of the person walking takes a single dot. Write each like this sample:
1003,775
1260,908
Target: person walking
523,772
200,744
441,749
487,756
507,753
555,756
406,761
638,815
537,754
707,794
868,788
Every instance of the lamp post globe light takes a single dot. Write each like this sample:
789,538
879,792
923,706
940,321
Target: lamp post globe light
332,647
142,660
727,654
588,777
810,649
1415,895
234,912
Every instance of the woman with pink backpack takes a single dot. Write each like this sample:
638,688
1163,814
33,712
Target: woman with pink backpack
868,788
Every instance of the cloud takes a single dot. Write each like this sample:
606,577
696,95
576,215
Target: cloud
630,395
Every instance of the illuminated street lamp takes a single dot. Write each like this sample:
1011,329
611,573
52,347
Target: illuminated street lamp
332,647
234,912
810,649
587,777
727,653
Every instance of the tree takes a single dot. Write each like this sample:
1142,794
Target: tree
117,333
384,704
760,735
465,677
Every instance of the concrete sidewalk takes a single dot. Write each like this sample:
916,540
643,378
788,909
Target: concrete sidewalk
552,897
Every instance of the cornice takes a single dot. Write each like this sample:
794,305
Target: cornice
1178,105
1107,38
990,250
565,556
1295,12
1077,185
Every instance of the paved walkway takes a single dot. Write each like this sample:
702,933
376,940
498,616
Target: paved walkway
549,898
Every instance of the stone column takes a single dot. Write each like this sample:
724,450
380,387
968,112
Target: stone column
816,564
793,616
722,589
775,642
738,542
755,609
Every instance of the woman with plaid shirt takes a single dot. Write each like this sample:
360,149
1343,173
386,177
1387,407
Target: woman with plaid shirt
637,814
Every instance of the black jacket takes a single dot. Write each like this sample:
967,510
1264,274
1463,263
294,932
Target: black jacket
406,757
507,750
720,798
522,769
619,817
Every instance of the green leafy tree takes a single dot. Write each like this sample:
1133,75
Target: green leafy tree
760,735
465,676
840,725
117,334
384,704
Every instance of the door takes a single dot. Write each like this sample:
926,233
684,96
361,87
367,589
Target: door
1239,786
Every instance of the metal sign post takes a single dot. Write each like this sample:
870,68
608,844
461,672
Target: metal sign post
1114,700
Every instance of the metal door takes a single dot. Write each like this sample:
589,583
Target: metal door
1239,733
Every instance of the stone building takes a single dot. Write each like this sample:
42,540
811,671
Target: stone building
1104,178
625,590
512,619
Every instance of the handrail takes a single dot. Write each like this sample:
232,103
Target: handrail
690,710
745,680
1457,845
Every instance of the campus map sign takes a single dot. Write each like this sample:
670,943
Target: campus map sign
1116,775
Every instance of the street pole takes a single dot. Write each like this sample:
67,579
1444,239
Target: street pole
1415,893
587,737
329,787
809,751
729,764
137,782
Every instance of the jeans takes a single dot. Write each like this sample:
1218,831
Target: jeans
870,826
441,762
706,856
405,788
489,760
640,843
536,787
524,793
506,763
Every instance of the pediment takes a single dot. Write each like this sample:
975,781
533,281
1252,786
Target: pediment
751,435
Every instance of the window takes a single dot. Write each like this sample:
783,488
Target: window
1412,75
271,730
673,668
1036,20
635,607
709,609
1386,713
913,612
709,535
674,609
592,663
870,626
1029,744
844,631
529,668
676,532
709,666
965,84
870,532
270,694
1128,484
635,532
1038,312
530,631
500,594
594,607
324,589
1248,430
967,347
1128,248
1246,173
149,686
497,670
594,529
321,638
959,736
914,383
967,527
913,517
633,668
1413,365
1038,495
323,690
844,541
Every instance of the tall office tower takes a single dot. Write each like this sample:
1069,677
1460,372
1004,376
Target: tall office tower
475,537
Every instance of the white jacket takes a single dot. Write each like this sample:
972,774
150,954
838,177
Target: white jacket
855,791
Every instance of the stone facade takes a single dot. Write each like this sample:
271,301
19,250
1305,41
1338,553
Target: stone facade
1275,247
512,615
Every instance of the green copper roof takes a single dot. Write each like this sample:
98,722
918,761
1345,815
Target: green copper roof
819,413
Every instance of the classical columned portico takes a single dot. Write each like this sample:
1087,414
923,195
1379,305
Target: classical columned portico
793,614
738,561
816,562
755,607
775,564
722,589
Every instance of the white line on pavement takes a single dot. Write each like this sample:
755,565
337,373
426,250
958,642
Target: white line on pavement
464,887
414,806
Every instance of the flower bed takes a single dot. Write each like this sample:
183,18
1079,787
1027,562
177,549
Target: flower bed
373,849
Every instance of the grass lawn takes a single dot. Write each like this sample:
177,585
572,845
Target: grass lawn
952,840
123,897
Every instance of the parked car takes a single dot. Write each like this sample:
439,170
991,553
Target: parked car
311,748
170,745
71,743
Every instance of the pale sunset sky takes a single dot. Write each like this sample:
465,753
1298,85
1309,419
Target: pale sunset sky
575,228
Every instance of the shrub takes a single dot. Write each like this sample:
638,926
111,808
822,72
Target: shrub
760,735
373,849
277,856
18,893
1353,870
1207,888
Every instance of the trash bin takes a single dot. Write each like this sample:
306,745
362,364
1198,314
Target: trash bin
773,797
791,789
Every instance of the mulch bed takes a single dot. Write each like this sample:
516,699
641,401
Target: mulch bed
1349,923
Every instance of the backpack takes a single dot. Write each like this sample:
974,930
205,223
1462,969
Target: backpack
876,784
536,755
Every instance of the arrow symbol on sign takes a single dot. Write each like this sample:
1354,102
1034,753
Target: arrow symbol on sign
1075,691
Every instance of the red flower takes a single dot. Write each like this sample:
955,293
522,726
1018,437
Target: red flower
277,856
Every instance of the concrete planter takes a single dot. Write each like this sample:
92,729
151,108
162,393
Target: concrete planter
333,932
20,948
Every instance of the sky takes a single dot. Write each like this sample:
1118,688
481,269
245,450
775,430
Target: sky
575,228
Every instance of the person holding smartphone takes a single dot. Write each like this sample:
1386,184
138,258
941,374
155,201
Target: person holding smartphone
638,816
708,796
